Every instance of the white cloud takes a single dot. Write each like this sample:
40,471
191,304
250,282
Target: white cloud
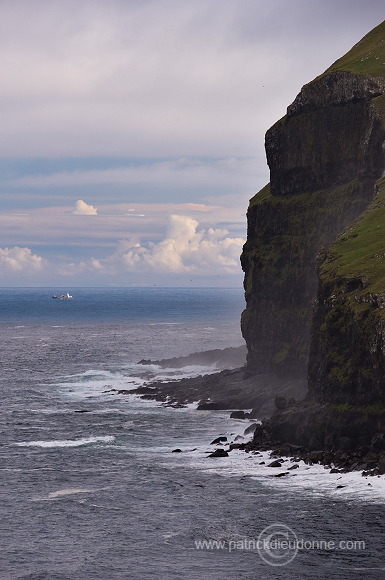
83,208
185,249
20,260
57,227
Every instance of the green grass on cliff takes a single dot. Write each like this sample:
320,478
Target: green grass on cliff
285,234
283,247
367,56
359,253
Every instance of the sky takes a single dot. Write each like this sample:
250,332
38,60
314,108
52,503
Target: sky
132,132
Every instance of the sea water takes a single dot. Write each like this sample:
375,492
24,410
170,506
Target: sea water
90,486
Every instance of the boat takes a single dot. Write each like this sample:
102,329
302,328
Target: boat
62,296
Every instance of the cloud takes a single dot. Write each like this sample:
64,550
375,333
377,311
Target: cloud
82,208
115,78
176,173
185,249
56,229
20,260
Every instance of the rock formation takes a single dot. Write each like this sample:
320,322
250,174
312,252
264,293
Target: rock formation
314,260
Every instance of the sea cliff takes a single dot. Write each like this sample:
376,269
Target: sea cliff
314,260
324,157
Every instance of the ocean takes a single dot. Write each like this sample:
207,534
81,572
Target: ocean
91,488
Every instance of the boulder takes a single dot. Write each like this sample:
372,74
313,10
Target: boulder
251,429
276,463
218,440
238,415
219,453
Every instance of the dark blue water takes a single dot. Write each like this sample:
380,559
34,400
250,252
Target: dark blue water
99,495
121,305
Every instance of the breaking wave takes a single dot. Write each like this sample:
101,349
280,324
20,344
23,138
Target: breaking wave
68,442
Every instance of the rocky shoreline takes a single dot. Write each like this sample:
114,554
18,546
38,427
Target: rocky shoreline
230,389
257,397
369,461
287,457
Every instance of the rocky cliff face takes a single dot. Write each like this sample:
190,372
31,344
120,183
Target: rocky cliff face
347,355
345,406
314,259
324,157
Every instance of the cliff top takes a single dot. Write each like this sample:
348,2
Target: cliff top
366,57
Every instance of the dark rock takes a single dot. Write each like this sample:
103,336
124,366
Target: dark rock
237,415
346,443
284,450
240,446
371,456
176,451
281,474
371,472
340,486
381,464
218,440
295,466
362,467
219,453
335,470
82,411
258,434
209,406
280,402
277,463
378,442
251,429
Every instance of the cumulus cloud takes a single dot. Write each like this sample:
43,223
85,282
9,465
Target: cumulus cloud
20,260
83,208
71,269
186,248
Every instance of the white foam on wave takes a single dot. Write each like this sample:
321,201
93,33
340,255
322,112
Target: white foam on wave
70,491
315,480
63,493
95,383
68,442
102,383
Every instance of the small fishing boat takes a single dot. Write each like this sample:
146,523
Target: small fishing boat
62,296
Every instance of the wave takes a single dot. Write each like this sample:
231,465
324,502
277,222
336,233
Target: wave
68,442
70,491
100,383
